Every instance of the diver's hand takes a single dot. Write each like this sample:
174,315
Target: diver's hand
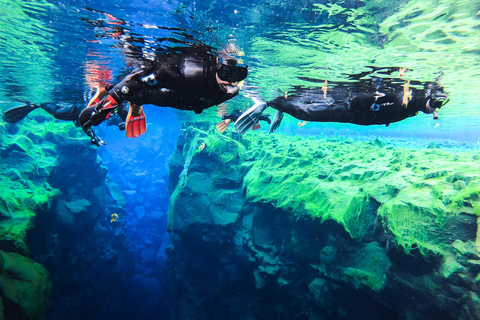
97,141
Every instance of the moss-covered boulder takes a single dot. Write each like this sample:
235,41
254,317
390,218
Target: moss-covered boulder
209,181
27,157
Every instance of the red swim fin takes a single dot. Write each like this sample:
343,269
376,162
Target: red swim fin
256,126
135,124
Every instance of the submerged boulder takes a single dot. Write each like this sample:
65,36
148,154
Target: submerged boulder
25,287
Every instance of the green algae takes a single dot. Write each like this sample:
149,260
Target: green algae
414,193
27,159
218,155
348,181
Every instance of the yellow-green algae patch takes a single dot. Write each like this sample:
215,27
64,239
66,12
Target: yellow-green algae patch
415,192
26,160
27,157
423,197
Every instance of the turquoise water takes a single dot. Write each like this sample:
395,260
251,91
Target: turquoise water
191,240
47,47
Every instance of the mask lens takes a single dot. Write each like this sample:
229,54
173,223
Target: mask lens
232,73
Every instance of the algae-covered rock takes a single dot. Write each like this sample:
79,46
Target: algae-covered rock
369,267
358,229
53,192
25,287
199,182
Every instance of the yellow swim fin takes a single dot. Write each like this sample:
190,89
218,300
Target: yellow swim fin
223,125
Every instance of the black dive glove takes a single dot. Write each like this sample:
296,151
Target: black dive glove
96,140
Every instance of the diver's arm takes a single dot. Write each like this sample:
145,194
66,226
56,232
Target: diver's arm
131,84
96,140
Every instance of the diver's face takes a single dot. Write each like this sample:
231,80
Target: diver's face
226,86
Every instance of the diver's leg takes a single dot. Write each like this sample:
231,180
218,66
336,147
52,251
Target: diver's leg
96,113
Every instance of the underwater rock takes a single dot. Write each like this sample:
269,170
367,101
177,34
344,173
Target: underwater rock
369,267
358,231
56,203
198,184
77,206
25,287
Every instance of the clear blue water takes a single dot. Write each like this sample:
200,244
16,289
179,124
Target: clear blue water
47,46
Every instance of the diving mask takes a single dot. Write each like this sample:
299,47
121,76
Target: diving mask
232,73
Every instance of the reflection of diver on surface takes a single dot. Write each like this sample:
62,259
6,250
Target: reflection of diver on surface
67,112
190,78
232,117
367,102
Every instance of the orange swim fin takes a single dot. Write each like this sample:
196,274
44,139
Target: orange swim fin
135,124
100,93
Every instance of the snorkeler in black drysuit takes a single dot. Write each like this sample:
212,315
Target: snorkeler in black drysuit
191,78
367,102
232,117
64,111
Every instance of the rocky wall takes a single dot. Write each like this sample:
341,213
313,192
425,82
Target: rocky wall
279,227
56,207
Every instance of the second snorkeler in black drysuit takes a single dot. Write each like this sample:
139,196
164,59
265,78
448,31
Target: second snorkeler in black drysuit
372,102
60,111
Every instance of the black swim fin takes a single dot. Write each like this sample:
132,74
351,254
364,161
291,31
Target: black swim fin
251,116
18,113
277,119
